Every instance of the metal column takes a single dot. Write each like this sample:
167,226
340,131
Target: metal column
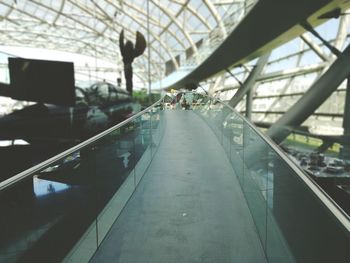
346,117
249,103
250,81
313,98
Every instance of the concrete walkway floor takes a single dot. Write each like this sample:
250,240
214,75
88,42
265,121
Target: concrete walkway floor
189,206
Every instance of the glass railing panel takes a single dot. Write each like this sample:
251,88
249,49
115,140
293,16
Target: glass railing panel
215,117
226,131
142,141
115,175
60,210
206,106
83,174
255,175
201,109
327,162
235,126
256,160
38,213
309,229
199,102
277,249
338,169
156,126
202,106
295,220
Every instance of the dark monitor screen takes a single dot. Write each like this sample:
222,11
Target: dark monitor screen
42,81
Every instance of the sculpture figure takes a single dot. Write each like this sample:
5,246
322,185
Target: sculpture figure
129,53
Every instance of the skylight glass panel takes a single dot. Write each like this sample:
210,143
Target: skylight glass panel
193,22
309,57
153,9
99,26
203,10
302,83
196,4
329,29
126,20
172,7
49,16
290,47
284,64
333,105
30,8
164,19
211,20
78,27
4,9
10,3
55,4
141,4
68,8
271,87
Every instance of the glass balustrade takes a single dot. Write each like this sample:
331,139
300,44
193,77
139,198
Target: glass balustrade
295,220
61,210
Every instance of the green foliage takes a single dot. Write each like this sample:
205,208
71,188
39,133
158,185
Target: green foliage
143,98
309,143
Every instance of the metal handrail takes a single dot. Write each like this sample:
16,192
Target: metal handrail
26,173
337,211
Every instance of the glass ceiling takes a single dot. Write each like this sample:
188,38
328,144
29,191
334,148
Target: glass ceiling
290,71
179,30
181,34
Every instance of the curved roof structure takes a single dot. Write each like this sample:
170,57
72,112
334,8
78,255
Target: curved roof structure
182,34
173,29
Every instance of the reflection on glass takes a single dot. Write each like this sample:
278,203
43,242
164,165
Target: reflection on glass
63,212
292,222
45,187
326,162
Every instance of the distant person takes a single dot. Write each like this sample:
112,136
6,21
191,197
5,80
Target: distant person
184,104
189,99
179,101
173,103
129,53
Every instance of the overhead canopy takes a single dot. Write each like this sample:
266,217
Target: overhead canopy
268,25
92,27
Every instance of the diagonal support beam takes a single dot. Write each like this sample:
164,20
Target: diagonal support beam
249,103
313,98
309,28
316,48
346,118
250,81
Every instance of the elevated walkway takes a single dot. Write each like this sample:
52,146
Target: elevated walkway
189,206
201,185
